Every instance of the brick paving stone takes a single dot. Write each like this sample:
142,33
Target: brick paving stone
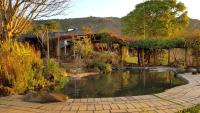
129,106
85,112
116,99
51,111
163,107
134,110
66,108
47,107
84,100
70,100
68,112
169,111
104,99
150,112
123,98
103,111
90,99
76,103
106,106
137,105
149,109
122,106
150,104
34,110
83,107
144,105
74,108
104,102
118,111
156,103
77,100
174,110
3,110
97,100
91,107
160,111
114,106
57,108
110,99
98,107
131,98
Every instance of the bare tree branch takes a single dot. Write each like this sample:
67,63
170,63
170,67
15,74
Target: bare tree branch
15,15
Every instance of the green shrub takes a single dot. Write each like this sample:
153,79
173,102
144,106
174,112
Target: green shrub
52,68
21,67
61,84
106,56
102,66
84,47
59,75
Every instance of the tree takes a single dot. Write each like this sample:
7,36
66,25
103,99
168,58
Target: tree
156,18
52,26
47,26
16,15
87,30
44,29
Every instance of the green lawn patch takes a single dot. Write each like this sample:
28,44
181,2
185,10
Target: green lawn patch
195,109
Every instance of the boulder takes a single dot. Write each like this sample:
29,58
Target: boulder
192,70
178,75
198,69
44,97
5,91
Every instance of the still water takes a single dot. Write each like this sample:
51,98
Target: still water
122,83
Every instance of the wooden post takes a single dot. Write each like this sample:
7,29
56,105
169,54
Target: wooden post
169,58
154,57
143,57
138,55
58,49
121,55
186,59
48,55
65,48
74,47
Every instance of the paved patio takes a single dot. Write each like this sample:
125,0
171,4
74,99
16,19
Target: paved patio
170,101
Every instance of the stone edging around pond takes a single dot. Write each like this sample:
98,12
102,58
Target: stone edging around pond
81,75
158,69
170,101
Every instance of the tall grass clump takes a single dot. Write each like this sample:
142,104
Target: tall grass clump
20,67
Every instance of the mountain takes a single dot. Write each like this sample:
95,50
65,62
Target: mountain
97,24
111,24
194,24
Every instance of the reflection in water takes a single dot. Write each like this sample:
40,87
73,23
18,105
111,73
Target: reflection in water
122,83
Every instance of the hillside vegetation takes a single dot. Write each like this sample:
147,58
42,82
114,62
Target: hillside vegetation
111,24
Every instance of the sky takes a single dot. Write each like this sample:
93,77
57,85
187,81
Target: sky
116,8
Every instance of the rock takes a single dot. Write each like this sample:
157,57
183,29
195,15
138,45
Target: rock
5,91
44,97
58,97
178,75
192,70
198,69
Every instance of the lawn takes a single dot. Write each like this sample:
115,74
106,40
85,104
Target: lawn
195,109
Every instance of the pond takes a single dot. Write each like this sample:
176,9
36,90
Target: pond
122,83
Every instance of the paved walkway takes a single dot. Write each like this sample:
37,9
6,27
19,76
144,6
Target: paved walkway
170,101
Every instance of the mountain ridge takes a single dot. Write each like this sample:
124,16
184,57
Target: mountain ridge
111,24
